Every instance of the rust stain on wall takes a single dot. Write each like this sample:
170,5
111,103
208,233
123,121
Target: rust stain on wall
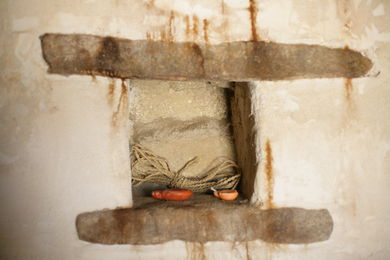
253,17
171,26
271,249
102,72
346,47
188,26
195,251
93,78
205,30
149,36
111,92
248,257
166,32
269,175
349,100
121,107
198,51
195,25
348,87
163,35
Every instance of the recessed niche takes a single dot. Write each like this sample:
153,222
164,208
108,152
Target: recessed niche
179,120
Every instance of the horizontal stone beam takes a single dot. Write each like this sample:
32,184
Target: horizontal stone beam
82,54
167,221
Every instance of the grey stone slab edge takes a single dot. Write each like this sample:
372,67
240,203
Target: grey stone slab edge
153,225
82,54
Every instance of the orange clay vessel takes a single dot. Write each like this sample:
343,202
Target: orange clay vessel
226,194
172,194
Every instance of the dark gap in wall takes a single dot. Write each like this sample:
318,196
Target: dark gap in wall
244,135
236,124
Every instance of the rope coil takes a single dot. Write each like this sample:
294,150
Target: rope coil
149,167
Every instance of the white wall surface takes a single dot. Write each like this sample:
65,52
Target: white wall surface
60,154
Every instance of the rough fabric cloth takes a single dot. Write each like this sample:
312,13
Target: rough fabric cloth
148,167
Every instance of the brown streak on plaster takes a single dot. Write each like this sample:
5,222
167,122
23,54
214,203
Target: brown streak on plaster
93,78
108,73
188,26
171,26
350,105
111,91
198,51
195,251
253,17
269,175
163,35
203,255
149,36
222,7
248,257
121,104
273,247
348,89
195,24
200,251
205,30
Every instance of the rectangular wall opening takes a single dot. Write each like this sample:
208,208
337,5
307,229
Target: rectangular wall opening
181,120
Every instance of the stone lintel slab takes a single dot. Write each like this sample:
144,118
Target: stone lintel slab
82,54
159,222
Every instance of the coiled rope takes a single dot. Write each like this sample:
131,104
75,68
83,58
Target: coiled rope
149,167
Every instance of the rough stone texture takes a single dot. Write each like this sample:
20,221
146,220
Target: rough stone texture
244,134
87,54
202,219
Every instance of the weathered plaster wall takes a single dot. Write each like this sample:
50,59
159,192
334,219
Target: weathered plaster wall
62,138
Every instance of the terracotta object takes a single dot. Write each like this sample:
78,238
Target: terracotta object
172,194
226,194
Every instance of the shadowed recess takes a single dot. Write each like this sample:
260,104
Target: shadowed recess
243,123
201,219
83,54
